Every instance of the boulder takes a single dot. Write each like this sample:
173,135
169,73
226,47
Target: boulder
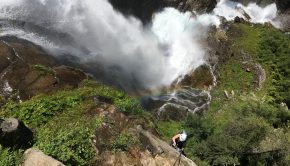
152,151
164,154
34,157
201,78
14,133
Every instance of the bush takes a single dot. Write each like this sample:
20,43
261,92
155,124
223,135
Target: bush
230,137
10,157
123,141
41,109
70,146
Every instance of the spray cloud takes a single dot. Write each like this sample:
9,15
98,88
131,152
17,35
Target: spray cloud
94,34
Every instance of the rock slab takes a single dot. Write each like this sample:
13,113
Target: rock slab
34,157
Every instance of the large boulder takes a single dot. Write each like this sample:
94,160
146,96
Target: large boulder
201,78
142,147
34,157
13,133
153,152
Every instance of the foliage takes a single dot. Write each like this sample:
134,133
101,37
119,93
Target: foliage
232,136
234,77
271,48
67,136
43,69
40,109
123,141
169,129
71,146
125,103
64,121
232,131
274,51
10,157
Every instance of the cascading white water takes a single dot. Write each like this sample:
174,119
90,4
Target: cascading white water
257,14
135,57
102,36
95,34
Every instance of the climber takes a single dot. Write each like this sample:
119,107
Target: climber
178,142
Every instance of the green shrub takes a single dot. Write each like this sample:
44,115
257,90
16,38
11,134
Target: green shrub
44,69
125,103
71,146
230,137
271,48
10,157
41,109
169,129
123,141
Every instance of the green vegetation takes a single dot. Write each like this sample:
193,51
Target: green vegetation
43,69
252,128
233,136
169,128
123,141
271,48
64,121
10,157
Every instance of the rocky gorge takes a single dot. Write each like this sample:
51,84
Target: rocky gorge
234,107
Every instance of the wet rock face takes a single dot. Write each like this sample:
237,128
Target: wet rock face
13,133
27,70
201,78
285,20
282,5
186,96
200,6
142,9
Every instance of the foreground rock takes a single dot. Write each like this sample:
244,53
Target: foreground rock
157,153
33,157
121,141
13,133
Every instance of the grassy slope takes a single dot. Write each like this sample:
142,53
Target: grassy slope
62,123
233,128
